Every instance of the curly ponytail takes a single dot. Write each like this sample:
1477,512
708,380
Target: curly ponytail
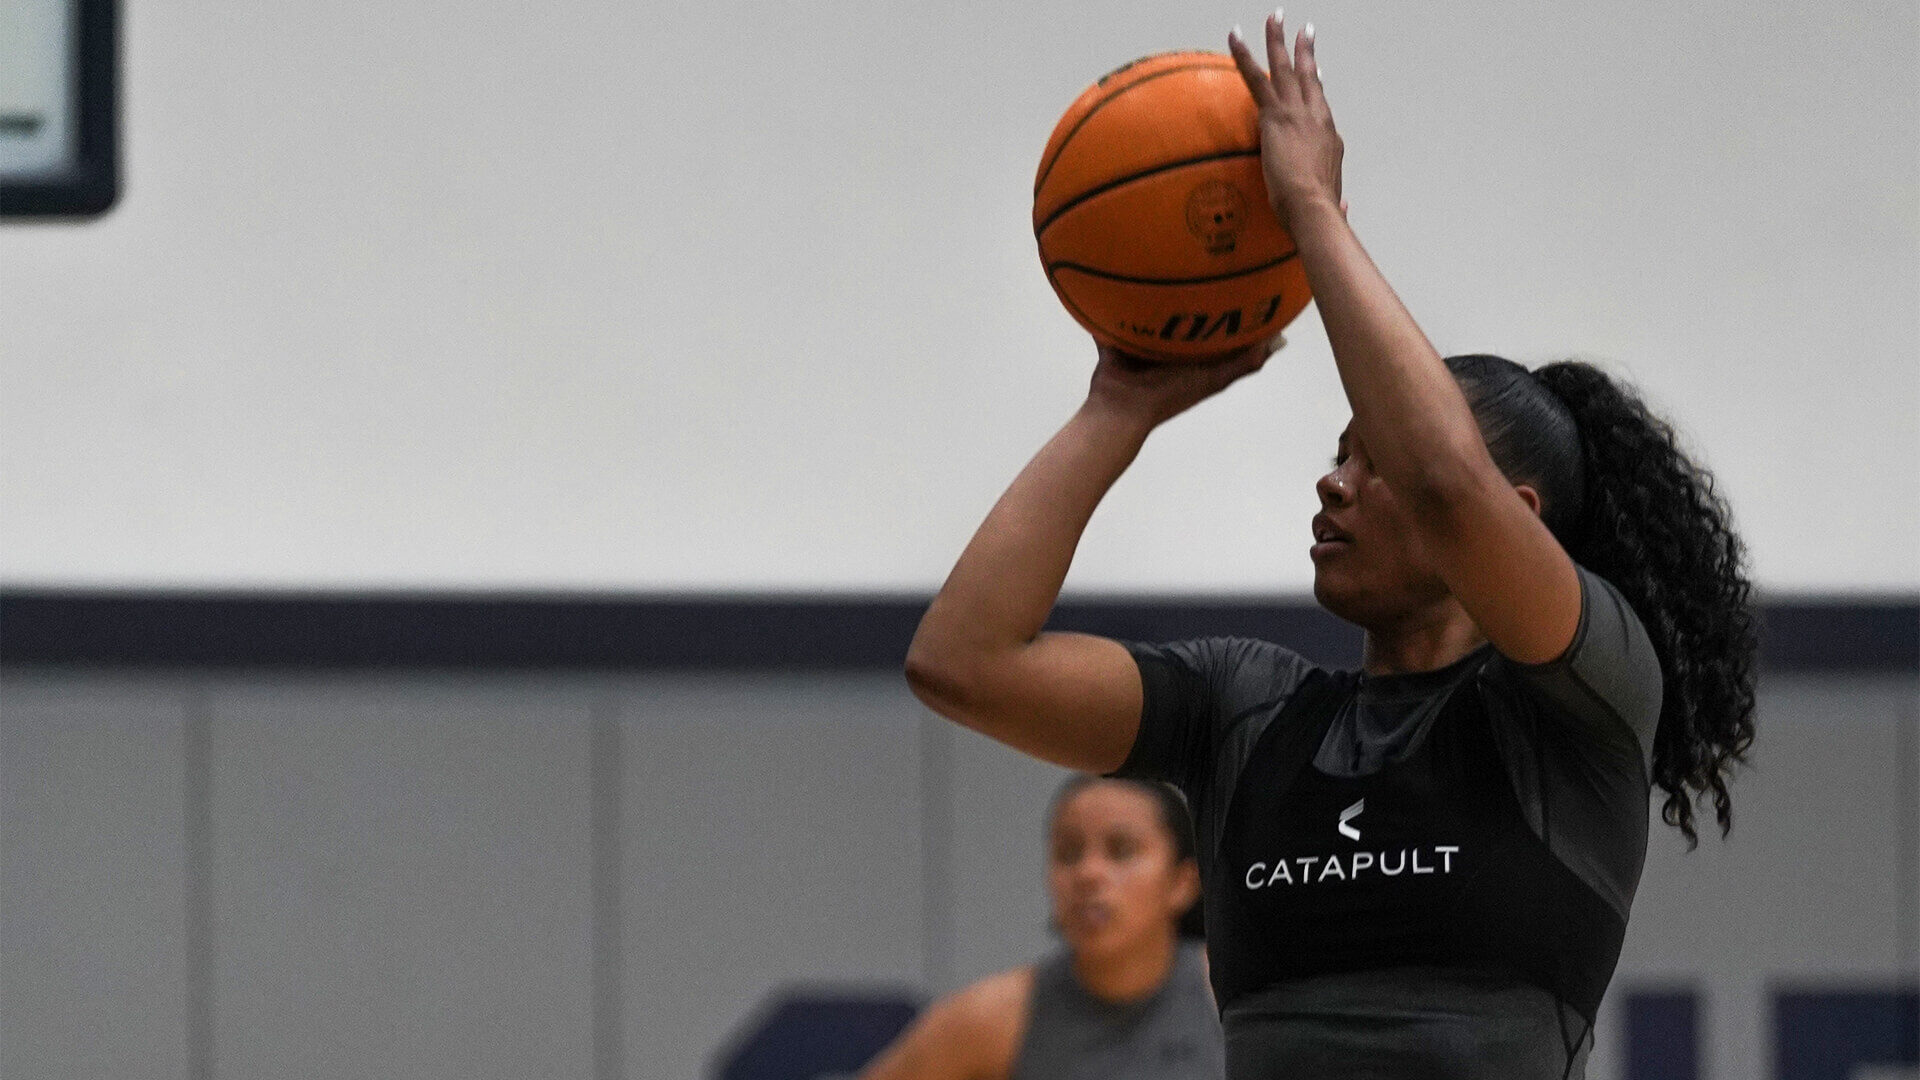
1628,504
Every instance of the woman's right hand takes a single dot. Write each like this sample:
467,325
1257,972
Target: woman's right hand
1153,392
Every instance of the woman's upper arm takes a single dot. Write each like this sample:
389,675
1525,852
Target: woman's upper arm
972,1035
1608,685
934,1047
1072,699
1501,562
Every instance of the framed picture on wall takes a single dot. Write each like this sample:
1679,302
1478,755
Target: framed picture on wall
59,107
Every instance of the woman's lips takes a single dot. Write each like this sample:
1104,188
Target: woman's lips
1328,538
1091,915
1327,549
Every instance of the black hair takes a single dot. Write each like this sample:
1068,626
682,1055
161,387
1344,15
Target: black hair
1627,503
1174,817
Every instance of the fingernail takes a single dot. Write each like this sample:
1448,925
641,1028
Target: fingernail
1236,35
1309,32
1279,14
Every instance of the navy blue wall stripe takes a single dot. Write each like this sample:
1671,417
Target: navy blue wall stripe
1829,1034
1662,1036
722,632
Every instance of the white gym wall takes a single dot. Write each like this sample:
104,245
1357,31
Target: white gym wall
743,296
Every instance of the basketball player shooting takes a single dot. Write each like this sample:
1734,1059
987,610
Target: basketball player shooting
1421,867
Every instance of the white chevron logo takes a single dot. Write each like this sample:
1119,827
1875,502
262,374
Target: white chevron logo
1349,814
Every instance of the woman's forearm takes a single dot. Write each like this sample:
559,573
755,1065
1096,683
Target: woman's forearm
1407,407
1006,582
979,657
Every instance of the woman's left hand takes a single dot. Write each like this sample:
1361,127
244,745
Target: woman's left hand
1299,149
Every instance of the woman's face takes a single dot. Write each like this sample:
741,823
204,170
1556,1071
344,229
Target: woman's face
1114,874
1367,566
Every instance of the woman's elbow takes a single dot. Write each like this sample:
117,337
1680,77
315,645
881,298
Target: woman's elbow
938,677
966,686
926,675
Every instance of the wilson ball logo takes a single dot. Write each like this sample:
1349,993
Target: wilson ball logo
1215,212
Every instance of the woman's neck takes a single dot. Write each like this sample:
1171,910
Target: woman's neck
1126,977
1426,640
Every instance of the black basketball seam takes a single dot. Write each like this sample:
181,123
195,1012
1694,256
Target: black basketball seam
1040,230
1129,279
1089,322
1046,170
1077,310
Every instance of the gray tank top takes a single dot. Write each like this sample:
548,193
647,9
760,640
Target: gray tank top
1174,1034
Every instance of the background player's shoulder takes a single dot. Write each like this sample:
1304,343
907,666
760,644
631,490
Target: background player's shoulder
1000,991
989,1018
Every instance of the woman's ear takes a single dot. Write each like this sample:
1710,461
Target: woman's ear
1186,887
1529,496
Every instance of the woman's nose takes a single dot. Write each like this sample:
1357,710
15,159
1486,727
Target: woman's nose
1090,873
1334,490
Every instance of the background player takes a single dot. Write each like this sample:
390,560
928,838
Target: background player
1127,997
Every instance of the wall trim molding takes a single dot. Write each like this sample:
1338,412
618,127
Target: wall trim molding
726,632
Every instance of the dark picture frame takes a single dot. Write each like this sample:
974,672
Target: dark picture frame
91,184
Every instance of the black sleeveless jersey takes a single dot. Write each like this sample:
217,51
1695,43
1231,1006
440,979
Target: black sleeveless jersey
1410,875
1425,863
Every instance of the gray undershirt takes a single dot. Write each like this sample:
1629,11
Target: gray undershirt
1174,1034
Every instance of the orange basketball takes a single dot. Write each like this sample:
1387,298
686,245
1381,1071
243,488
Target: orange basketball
1152,214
